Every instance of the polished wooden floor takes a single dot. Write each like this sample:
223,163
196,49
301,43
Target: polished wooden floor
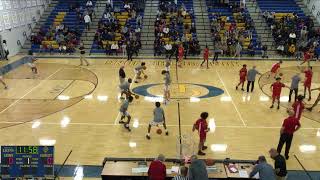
76,108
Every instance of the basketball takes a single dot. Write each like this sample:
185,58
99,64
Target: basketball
136,96
209,162
145,76
280,74
159,131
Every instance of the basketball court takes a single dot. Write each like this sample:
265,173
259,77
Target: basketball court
77,108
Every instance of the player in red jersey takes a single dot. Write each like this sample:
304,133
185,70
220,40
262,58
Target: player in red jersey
180,54
206,55
243,76
307,82
276,88
202,126
307,56
298,107
275,69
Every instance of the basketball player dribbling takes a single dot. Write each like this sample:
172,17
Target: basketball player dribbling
158,119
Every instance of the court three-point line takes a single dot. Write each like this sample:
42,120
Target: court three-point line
15,102
234,105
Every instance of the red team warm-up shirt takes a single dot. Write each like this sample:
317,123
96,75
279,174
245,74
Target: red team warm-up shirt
157,170
290,125
308,75
202,126
206,54
276,89
243,73
298,107
275,67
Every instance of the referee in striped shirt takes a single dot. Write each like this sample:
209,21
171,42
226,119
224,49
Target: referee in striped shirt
183,174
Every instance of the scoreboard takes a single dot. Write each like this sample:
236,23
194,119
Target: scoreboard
27,161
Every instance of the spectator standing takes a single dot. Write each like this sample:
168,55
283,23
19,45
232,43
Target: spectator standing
82,55
252,73
197,169
264,169
295,80
87,21
289,126
280,166
183,175
238,50
5,49
157,170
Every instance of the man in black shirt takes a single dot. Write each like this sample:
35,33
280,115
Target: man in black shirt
279,164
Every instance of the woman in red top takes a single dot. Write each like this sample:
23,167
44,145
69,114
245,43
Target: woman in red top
307,82
276,88
243,76
157,170
206,55
202,126
180,54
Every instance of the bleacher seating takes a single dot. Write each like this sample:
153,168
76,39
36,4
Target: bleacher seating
123,18
226,17
61,14
283,6
185,31
285,17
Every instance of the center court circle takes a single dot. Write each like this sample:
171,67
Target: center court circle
179,90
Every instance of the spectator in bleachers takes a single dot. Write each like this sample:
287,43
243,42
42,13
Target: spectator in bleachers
114,48
89,4
87,21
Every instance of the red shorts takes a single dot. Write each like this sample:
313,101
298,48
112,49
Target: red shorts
275,96
242,80
180,56
307,84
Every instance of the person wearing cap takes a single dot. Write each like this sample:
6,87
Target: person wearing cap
265,170
157,170
289,126
279,164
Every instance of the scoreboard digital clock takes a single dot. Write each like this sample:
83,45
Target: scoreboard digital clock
27,161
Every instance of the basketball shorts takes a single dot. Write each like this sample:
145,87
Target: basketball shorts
153,123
